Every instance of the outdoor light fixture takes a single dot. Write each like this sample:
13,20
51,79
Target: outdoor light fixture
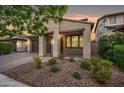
52,42
61,35
28,41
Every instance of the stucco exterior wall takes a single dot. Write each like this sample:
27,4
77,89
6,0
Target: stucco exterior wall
87,42
67,26
52,26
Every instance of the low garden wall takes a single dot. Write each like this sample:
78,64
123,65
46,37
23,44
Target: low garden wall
95,49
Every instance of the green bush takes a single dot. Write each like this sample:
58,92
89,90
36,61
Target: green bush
86,64
6,48
118,55
101,69
54,68
52,61
76,74
106,44
37,61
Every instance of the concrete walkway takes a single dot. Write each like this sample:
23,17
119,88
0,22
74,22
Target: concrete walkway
16,59
8,82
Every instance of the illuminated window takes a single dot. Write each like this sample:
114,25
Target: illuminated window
74,41
68,41
81,41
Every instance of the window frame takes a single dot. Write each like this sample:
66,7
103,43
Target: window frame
115,20
71,41
77,36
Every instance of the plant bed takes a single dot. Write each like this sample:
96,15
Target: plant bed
28,74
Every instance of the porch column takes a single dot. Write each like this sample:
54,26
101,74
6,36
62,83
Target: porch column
56,44
29,45
42,46
87,42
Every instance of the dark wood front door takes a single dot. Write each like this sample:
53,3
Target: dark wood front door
61,44
35,46
48,45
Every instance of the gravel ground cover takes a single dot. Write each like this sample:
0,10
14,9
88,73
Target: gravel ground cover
28,74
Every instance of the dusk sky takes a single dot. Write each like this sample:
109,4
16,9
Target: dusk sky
92,11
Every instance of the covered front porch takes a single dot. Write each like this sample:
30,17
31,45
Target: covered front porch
66,43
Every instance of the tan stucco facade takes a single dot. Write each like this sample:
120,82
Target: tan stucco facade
66,26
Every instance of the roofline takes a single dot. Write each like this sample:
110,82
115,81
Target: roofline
10,39
78,21
107,15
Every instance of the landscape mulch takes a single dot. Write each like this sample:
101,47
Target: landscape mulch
43,77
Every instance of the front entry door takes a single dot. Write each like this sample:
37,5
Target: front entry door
61,45
48,45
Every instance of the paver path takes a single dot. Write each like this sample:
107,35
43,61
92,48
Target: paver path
8,82
13,60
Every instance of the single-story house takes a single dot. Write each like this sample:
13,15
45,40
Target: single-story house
67,37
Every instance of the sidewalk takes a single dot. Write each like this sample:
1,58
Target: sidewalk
8,82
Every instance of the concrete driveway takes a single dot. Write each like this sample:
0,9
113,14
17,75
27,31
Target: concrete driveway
13,60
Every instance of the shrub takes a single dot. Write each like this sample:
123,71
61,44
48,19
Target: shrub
101,70
6,48
54,68
76,74
106,44
52,61
86,64
118,55
37,61
71,59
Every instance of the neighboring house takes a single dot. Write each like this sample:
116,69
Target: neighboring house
19,44
23,43
67,37
109,24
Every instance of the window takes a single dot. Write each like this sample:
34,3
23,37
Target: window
81,41
113,20
74,41
104,24
68,41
